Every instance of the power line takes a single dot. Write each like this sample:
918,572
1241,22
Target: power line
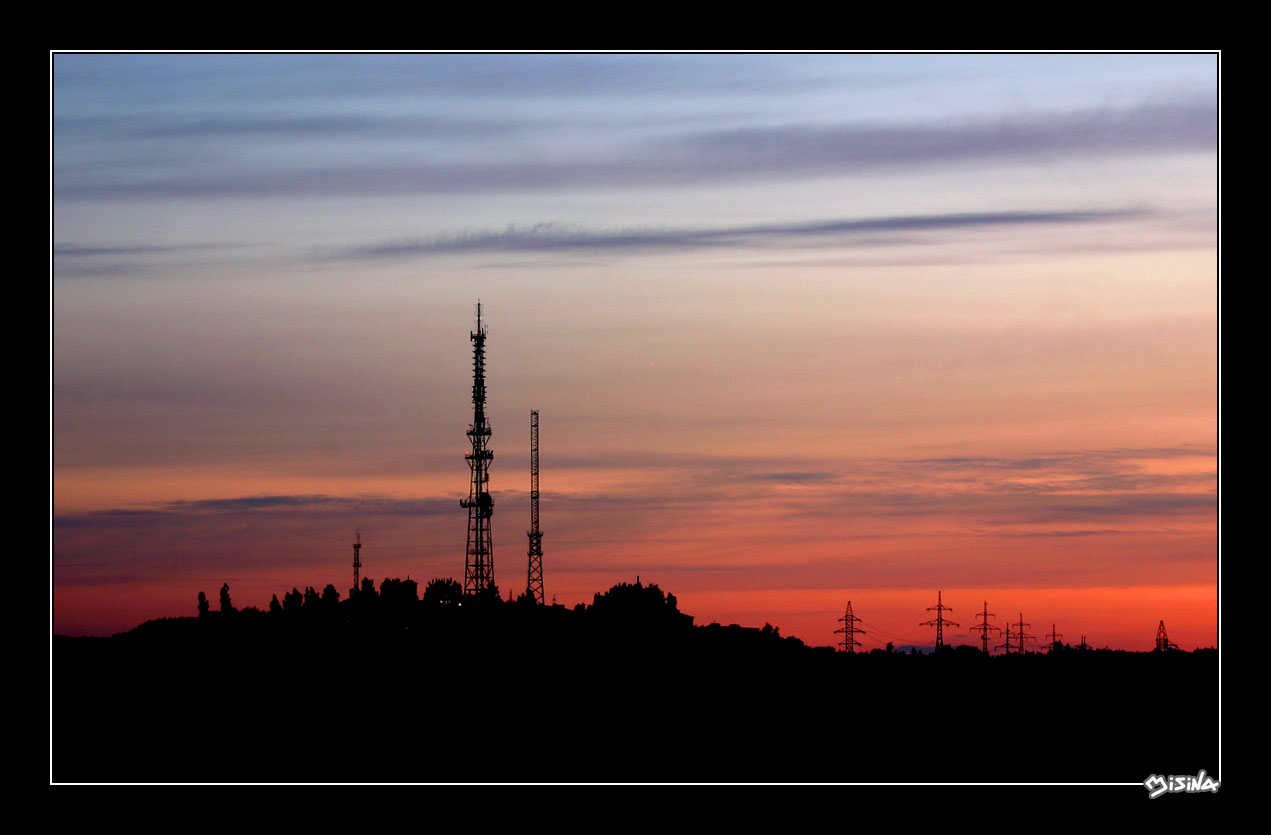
1054,638
849,630
1163,642
984,627
1006,643
939,623
1020,635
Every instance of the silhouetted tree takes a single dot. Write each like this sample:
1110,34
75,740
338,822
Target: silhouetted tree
330,597
311,599
203,605
368,587
441,592
226,606
275,608
488,596
390,589
292,601
635,598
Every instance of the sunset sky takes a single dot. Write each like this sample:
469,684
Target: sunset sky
801,329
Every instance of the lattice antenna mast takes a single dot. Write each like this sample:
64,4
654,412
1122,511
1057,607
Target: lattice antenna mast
478,572
1162,639
984,627
1020,635
849,630
939,623
357,561
534,585
1054,638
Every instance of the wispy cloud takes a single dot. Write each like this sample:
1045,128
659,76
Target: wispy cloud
687,157
283,126
64,250
1069,488
837,148
291,505
551,237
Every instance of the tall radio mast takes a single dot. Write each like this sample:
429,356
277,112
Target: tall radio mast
478,572
357,561
535,583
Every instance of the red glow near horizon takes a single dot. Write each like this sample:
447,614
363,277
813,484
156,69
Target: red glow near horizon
793,343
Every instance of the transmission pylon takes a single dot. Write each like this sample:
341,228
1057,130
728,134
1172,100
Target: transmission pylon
534,585
984,627
1054,638
357,561
939,623
478,572
1163,642
1020,635
1006,643
849,630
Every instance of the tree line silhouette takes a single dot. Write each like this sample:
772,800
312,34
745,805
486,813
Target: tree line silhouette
441,686
628,610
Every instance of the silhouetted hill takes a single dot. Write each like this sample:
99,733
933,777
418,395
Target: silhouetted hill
388,687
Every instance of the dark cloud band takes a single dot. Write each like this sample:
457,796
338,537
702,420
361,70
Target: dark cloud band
549,237
686,158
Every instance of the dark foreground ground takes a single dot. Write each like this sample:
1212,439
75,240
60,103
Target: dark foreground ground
520,701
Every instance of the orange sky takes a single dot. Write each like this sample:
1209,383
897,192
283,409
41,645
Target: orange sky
779,365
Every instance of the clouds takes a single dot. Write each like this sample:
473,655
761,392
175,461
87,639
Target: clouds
1184,125
554,238
286,127
316,506
790,319
1131,488
704,525
885,239
554,160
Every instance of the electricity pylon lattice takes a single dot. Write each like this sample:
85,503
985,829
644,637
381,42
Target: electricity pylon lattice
849,630
1020,635
984,627
534,585
1162,639
478,571
1054,639
939,623
1006,643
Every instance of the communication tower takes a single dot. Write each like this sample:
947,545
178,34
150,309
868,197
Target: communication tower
535,583
357,561
478,572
